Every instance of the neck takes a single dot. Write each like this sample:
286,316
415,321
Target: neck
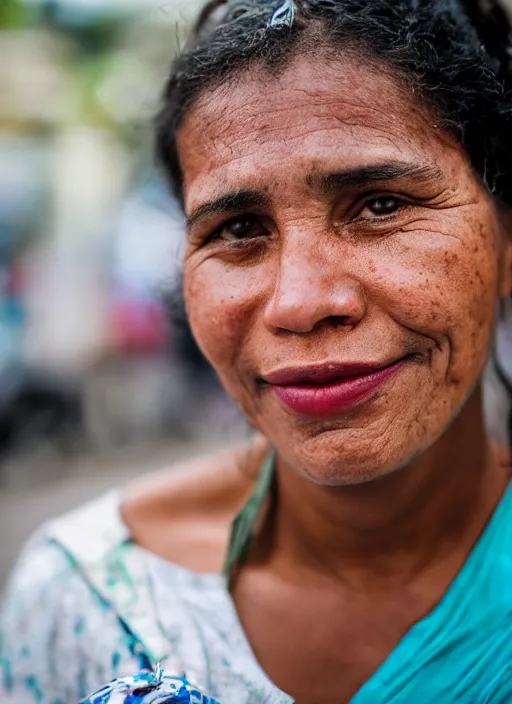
392,529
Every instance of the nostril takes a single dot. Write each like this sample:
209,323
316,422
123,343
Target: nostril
338,321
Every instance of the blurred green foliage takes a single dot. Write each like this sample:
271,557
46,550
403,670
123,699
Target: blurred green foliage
15,14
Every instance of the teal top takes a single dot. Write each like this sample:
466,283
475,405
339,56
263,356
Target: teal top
87,604
462,650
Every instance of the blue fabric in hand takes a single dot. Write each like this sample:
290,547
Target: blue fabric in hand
149,688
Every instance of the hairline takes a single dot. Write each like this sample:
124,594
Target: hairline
317,45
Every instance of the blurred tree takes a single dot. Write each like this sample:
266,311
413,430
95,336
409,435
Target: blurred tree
14,14
93,29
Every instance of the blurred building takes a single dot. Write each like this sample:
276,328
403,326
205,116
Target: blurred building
90,239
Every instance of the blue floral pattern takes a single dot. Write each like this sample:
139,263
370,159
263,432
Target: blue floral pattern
149,688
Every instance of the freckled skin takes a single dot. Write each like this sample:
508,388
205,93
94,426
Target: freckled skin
426,283
378,507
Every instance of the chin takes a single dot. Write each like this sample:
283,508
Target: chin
370,443
343,470
348,458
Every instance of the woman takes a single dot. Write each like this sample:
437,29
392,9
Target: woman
345,170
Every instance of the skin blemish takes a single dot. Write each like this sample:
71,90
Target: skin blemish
325,230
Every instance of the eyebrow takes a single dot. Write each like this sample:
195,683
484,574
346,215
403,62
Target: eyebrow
228,203
324,184
366,176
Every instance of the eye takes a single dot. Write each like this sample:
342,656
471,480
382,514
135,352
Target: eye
240,228
382,205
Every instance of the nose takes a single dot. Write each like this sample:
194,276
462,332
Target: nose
314,288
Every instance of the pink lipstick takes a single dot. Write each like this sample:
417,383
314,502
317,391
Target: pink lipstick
329,389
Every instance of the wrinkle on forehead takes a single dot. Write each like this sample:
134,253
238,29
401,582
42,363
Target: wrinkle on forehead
349,111
349,90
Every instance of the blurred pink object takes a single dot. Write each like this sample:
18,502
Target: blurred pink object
138,326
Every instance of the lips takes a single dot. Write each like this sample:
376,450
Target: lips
331,388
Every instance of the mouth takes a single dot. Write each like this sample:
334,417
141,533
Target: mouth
330,388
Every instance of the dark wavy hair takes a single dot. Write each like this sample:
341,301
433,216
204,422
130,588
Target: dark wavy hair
453,54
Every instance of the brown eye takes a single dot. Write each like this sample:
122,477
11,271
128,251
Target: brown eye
241,228
384,205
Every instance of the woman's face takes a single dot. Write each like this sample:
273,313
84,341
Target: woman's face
343,264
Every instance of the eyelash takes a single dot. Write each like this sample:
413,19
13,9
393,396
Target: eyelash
401,202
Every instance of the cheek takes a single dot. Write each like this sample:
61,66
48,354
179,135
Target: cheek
445,288
220,301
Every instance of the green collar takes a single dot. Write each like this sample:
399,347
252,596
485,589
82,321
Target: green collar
243,526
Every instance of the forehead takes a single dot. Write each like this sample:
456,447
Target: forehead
258,130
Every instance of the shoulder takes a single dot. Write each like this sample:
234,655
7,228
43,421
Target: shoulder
80,591
51,619
42,571
185,515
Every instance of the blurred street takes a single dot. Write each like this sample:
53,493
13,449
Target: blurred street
100,378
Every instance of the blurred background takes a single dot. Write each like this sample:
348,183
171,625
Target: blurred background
98,381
